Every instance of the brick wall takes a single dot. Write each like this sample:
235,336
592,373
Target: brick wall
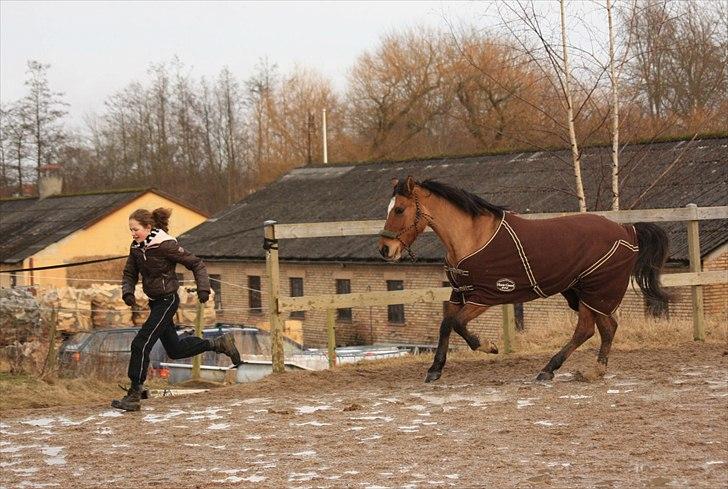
716,296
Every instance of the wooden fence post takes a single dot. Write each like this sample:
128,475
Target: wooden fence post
331,335
273,271
197,360
696,266
509,327
50,362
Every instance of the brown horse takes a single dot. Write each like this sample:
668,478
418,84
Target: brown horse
496,257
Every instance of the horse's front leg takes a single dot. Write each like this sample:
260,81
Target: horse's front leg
463,317
456,318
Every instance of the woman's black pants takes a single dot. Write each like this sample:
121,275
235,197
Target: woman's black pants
160,325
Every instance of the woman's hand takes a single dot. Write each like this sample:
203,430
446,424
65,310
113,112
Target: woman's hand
129,299
203,295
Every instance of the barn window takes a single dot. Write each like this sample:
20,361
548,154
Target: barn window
254,302
216,287
343,286
297,291
395,312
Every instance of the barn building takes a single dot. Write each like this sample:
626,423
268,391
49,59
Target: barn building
652,176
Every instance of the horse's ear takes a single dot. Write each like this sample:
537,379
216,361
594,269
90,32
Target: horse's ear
395,181
410,185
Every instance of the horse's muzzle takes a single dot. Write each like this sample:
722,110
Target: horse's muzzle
384,251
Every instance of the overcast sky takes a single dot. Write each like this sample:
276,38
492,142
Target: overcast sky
97,48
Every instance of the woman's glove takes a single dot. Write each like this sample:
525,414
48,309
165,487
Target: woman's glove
129,299
203,295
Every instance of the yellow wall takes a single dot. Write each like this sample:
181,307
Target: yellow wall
109,236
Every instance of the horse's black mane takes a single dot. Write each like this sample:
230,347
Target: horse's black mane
468,202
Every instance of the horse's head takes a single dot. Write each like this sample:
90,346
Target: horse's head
405,220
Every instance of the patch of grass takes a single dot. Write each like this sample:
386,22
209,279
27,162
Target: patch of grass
632,333
24,391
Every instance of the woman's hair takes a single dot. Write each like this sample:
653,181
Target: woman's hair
158,218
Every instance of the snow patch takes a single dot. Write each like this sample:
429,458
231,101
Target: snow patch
302,476
111,414
522,403
311,409
386,419
255,478
54,456
312,423
41,422
305,453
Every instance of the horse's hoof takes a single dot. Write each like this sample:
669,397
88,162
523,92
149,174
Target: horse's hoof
488,347
543,376
432,376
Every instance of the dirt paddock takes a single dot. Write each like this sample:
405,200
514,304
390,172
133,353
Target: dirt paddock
659,418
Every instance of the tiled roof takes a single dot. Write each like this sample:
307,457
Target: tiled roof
28,225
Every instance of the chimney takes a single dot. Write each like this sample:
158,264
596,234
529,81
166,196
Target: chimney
50,182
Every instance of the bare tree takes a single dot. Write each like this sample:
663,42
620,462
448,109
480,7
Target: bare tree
45,108
526,22
260,93
576,156
494,92
394,94
615,112
18,125
4,147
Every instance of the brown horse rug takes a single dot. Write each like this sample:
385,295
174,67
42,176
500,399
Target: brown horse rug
526,259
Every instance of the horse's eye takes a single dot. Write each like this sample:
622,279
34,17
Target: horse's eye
399,210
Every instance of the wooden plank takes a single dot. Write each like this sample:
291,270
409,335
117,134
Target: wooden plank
328,229
373,227
380,298
697,290
694,278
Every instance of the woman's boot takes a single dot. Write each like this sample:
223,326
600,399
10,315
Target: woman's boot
132,401
226,344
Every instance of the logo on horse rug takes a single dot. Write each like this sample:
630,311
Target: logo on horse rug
505,285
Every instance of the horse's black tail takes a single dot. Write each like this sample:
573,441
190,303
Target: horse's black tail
653,244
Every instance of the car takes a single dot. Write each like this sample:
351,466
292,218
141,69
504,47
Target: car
105,353
100,353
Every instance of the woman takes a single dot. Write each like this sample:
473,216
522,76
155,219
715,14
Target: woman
154,254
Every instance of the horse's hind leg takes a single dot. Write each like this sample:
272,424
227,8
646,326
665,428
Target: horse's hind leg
607,326
584,331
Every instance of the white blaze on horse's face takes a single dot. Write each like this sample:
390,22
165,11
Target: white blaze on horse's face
390,206
390,249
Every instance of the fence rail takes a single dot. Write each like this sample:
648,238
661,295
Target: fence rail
360,228
273,232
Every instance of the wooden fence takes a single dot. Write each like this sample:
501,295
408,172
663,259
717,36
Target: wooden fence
274,232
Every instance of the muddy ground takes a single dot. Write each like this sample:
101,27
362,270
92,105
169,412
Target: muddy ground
659,418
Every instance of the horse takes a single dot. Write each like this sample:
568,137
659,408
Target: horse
493,256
